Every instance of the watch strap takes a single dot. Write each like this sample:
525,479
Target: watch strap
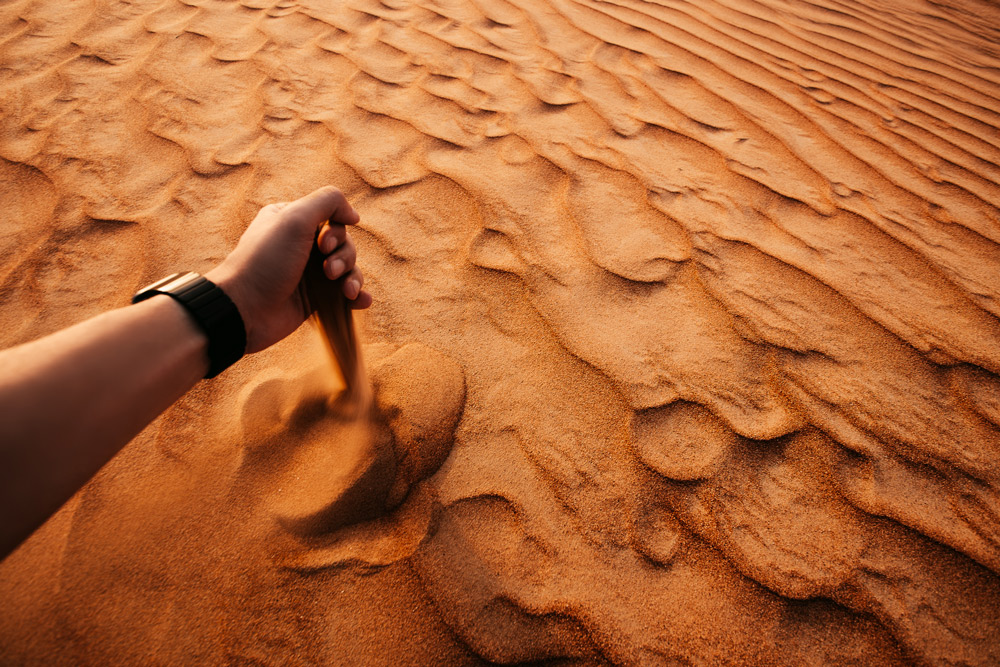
213,311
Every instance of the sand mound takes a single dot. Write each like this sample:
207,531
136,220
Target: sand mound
686,330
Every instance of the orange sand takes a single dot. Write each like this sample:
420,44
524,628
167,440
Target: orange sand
685,330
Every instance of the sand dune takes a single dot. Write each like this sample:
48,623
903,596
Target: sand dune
686,317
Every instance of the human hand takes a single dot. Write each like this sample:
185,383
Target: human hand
262,274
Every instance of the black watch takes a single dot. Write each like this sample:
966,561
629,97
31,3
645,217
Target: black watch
214,312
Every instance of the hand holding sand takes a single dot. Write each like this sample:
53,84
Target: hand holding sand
262,274
113,374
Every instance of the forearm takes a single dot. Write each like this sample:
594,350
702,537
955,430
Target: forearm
70,401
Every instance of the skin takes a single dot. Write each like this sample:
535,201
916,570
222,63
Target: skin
70,401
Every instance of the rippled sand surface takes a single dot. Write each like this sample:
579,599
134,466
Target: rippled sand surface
685,323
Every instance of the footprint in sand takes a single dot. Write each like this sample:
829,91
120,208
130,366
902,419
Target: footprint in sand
329,467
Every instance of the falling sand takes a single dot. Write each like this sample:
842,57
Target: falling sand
685,346
389,436
335,322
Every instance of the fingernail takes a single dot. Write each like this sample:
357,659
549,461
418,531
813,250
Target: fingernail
351,289
336,268
328,243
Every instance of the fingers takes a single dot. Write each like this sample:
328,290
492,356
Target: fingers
363,301
341,261
330,237
328,210
353,283
359,299
326,204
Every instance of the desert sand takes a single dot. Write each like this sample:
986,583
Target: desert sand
685,331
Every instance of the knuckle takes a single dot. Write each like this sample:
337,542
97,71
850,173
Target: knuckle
275,207
332,192
296,217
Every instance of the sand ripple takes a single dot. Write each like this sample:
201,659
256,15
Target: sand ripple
722,278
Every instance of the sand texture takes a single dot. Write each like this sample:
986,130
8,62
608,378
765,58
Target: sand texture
685,341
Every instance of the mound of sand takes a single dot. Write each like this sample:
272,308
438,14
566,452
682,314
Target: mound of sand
685,344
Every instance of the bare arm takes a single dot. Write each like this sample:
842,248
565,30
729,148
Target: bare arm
71,400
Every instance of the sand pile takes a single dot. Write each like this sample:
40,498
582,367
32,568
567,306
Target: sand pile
685,330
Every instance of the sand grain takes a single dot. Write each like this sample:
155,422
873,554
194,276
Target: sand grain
697,301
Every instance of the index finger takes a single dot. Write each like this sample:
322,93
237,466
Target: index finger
326,204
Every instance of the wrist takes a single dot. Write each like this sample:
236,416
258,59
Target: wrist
229,283
211,309
191,341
